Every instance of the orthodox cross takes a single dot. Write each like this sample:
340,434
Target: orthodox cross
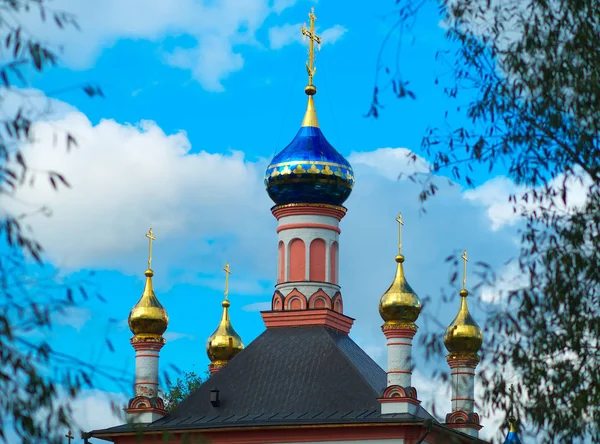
312,38
465,259
511,414
227,271
69,436
150,239
400,223
512,395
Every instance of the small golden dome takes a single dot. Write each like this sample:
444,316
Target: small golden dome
399,304
224,343
148,318
463,336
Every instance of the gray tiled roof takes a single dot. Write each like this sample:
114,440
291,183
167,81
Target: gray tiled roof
288,376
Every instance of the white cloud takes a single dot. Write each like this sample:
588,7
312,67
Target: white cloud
126,179
210,62
280,36
281,5
95,409
75,317
218,29
494,194
510,278
333,34
392,163
171,336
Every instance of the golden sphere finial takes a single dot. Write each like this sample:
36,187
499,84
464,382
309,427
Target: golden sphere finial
400,258
310,90
464,293
149,273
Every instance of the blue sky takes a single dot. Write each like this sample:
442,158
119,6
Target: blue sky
197,100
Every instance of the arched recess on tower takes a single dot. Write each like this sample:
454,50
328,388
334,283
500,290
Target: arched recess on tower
333,260
281,267
317,260
297,260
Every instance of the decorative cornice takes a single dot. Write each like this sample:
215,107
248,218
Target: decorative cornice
140,404
297,209
308,225
399,326
397,393
148,339
461,419
399,330
470,360
148,343
214,367
312,317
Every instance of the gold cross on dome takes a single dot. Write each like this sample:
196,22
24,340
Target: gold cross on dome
312,38
464,281
150,239
69,436
400,224
227,271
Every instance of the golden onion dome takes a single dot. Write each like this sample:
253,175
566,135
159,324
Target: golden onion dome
399,304
148,318
224,343
463,336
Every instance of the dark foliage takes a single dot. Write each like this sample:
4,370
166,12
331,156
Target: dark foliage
181,389
37,382
530,70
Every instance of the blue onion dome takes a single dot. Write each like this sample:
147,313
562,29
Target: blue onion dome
309,169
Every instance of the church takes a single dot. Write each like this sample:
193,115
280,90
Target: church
304,380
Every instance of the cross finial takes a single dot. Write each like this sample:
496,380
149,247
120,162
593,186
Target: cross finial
312,38
511,417
150,239
400,224
227,271
69,437
465,259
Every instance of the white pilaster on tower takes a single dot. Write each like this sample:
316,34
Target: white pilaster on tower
462,379
146,406
399,348
146,368
463,385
